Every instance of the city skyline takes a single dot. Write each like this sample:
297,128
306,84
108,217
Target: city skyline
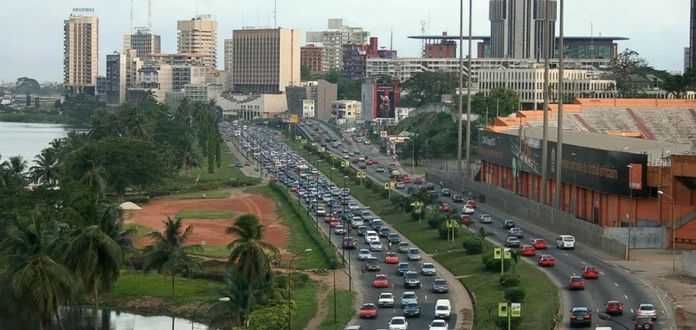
661,42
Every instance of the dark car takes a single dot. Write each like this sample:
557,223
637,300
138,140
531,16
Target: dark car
384,232
349,243
394,238
411,280
412,310
402,268
457,198
372,266
440,286
580,316
362,230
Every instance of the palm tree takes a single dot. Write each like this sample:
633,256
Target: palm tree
94,179
249,253
95,259
236,304
46,169
167,254
35,277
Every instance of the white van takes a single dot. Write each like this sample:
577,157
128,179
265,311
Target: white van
565,242
443,308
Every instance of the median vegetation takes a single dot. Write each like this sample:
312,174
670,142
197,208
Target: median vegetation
466,256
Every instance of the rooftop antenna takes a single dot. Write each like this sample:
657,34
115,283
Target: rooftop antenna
423,25
149,14
131,17
275,13
391,39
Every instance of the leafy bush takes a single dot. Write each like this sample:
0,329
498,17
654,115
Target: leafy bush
515,294
434,221
473,246
493,265
509,280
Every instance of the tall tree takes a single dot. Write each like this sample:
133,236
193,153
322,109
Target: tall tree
428,87
37,279
45,172
249,252
622,67
236,305
168,254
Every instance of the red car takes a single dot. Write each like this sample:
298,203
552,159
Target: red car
546,260
614,307
527,251
465,219
539,244
380,282
406,179
576,283
471,203
330,219
334,223
590,273
444,207
295,189
391,258
370,162
368,311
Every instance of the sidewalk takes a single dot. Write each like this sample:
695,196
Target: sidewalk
677,291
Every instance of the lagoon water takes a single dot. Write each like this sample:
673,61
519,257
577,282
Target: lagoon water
27,139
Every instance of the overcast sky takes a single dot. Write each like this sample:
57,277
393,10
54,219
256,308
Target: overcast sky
33,34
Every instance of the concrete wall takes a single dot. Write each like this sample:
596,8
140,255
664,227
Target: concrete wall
538,214
641,238
688,263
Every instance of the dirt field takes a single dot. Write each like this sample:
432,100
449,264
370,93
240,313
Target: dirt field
212,232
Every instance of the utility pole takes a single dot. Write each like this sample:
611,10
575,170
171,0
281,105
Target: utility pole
559,132
545,143
149,14
468,100
461,84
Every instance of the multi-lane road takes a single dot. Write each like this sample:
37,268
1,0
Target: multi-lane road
315,191
614,283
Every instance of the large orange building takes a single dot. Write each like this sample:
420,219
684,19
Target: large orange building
625,161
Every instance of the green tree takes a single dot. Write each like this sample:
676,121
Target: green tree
676,85
168,254
271,317
428,87
236,304
249,253
305,72
38,281
27,86
622,67
45,172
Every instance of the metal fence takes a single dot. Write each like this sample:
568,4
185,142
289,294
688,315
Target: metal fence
541,215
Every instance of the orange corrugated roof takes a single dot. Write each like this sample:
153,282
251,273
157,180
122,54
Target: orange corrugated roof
638,103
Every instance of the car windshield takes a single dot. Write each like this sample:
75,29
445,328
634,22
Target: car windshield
438,323
441,308
647,308
568,239
440,282
409,295
398,321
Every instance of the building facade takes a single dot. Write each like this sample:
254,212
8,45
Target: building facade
308,108
81,51
311,56
584,78
121,74
250,107
348,110
321,92
265,60
143,41
692,36
517,28
333,40
198,36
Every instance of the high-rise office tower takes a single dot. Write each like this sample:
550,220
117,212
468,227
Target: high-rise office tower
198,36
121,74
690,58
265,61
517,28
333,41
81,51
143,41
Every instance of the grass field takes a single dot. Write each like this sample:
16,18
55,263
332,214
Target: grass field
204,214
133,285
344,308
541,303
300,239
305,305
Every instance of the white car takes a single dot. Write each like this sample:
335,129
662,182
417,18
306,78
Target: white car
486,218
565,242
386,299
468,210
443,308
371,236
438,325
376,246
647,310
364,254
398,323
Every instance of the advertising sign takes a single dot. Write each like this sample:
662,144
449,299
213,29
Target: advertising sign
516,309
595,169
386,105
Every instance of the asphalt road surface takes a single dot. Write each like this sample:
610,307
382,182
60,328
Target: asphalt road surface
614,283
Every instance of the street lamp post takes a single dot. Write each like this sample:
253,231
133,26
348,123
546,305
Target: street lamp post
674,231
631,215
290,270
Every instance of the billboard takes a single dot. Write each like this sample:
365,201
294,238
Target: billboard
594,169
386,102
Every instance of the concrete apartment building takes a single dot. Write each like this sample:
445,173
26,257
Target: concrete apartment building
333,40
81,51
346,111
229,43
121,74
198,36
321,93
517,28
312,56
265,61
143,41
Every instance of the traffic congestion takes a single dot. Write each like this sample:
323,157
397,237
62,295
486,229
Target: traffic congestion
594,292
400,287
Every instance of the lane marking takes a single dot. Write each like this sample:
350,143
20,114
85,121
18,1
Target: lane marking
616,284
625,296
